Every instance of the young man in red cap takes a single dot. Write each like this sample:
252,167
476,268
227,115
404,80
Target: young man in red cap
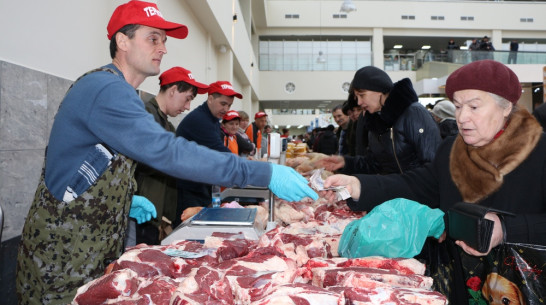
202,126
177,89
254,130
77,222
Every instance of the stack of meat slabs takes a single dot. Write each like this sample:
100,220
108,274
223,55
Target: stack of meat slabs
295,263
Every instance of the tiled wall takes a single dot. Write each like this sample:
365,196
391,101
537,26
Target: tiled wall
28,102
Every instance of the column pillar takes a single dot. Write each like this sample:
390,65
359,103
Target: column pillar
378,48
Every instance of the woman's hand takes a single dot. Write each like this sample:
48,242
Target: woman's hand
496,238
351,182
442,237
331,163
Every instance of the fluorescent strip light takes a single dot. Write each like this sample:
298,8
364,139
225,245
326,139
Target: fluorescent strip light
425,47
397,46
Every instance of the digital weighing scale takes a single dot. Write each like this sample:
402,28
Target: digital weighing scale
210,220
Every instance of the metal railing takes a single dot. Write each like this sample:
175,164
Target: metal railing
392,61
467,56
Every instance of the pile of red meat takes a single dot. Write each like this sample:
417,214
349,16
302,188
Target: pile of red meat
292,264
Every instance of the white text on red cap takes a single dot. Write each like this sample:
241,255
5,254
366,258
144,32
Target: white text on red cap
152,11
227,87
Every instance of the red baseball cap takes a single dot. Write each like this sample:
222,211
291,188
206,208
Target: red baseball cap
260,114
224,88
179,74
143,13
230,115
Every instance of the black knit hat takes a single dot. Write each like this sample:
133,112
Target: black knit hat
373,79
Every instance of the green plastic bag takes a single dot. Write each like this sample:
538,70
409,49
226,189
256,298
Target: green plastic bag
395,228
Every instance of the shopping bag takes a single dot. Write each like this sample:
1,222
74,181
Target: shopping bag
510,274
395,228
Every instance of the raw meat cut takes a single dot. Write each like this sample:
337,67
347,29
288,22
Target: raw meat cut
228,245
118,283
207,280
367,277
298,293
146,262
392,296
299,247
402,265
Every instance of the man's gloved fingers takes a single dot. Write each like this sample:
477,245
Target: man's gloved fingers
152,211
300,177
148,216
309,192
296,175
305,191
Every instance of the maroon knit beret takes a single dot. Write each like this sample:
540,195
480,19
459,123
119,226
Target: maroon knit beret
486,75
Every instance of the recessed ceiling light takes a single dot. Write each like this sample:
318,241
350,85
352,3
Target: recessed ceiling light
425,47
397,46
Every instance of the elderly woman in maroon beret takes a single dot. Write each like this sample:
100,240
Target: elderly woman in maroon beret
497,160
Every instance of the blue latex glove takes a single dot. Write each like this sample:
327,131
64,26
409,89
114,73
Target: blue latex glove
142,209
289,185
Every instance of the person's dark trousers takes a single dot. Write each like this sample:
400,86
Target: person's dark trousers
191,196
512,57
147,233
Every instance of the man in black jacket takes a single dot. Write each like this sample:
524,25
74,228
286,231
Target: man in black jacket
202,126
342,120
327,141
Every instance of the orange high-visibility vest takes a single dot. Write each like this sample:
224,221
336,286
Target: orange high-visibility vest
231,143
256,140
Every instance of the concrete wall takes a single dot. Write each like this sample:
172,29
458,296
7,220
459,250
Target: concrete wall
29,100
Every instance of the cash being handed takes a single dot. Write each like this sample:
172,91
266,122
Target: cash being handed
317,183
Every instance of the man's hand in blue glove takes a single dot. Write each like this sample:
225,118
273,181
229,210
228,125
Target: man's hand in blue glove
142,209
289,185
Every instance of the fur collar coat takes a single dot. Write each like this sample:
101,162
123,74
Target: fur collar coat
480,171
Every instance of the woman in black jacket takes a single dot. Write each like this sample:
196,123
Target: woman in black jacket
401,132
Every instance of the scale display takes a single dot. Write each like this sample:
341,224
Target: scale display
225,217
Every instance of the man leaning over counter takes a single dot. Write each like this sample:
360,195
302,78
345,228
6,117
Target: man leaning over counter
77,222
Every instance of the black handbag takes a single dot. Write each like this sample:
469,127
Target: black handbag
466,222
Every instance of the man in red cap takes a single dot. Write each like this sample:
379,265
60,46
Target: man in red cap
78,219
202,126
177,89
254,130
